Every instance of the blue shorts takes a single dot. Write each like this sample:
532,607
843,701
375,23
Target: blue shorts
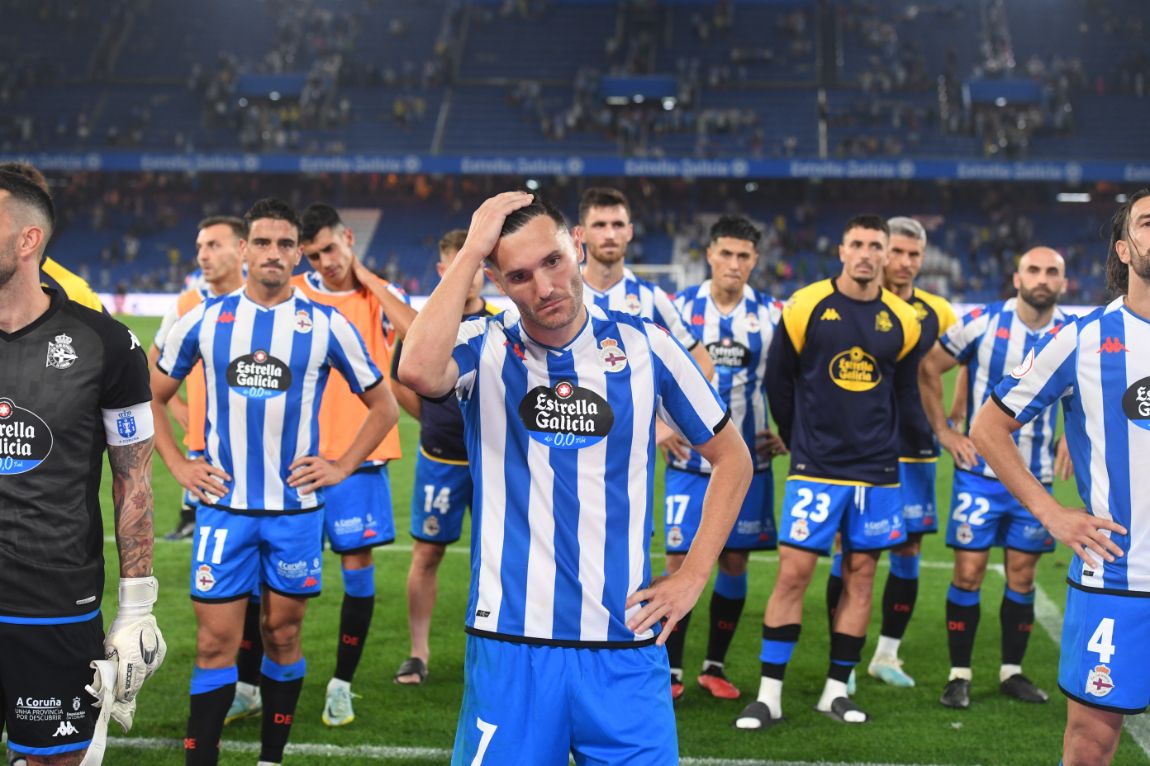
754,529
440,496
983,514
870,518
357,511
919,510
233,554
1103,637
535,704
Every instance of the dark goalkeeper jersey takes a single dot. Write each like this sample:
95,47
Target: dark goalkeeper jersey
836,370
57,377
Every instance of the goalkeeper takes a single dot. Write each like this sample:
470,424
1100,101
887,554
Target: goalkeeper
73,382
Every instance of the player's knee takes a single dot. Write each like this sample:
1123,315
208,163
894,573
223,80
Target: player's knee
61,759
1087,747
426,557
281,635
967,580
731,563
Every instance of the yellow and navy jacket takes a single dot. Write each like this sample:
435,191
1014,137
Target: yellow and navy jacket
66,283
936,316
836,372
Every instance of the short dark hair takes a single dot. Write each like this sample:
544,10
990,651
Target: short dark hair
602,196
238,225
29,186
452,241
1117,272
275,209
872,222
316,218
736,227
524,215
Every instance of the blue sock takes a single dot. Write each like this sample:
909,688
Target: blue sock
731,586
359,583
905,567
205,680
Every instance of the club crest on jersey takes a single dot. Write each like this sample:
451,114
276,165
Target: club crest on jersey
964,534
1099,683
750,323
882,321
61,355
566,416
302,321
1136,404
25,439
631,304
614,360
1025,366
920,310
258,375
674,537
205,580
799,530
855,370
431,526
729,353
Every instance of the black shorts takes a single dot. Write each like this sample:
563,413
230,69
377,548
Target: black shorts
43,671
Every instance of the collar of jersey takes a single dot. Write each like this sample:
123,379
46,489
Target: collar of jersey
296,294
580,336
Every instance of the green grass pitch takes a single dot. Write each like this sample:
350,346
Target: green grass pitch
908,725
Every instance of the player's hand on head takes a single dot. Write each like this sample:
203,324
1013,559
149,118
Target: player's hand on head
204,480
134,640
668,599
1085,534
487,221
960,447
311,472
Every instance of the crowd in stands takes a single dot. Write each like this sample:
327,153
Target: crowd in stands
134,232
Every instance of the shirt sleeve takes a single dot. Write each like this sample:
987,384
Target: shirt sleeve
347,353
686,401
181,349
961,339
667,315
779,380
1047,374
468,343
125,381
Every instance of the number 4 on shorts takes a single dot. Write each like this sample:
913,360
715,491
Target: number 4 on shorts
1102,641
488,731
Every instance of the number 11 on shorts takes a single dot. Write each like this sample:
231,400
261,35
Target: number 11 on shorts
488,731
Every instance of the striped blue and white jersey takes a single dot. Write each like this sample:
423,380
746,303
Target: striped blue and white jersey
265,369
641,298
737,343
561,444
1099,366
991,340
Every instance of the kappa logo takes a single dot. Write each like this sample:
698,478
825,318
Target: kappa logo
226,317
1003,332
61,355
1113,346
65,729
830,315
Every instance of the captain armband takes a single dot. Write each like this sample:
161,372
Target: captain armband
128,425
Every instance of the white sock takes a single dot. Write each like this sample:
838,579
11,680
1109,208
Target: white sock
831,692
771,695
247,690
887,647
963,673
338,683
1006,671
267,763
677,674
708,664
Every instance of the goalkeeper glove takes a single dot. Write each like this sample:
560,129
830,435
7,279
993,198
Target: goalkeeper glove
134,639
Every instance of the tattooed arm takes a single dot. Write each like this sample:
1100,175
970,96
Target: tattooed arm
132,498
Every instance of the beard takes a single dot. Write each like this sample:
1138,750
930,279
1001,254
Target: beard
1140,264
558,321
1039,299
8,261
